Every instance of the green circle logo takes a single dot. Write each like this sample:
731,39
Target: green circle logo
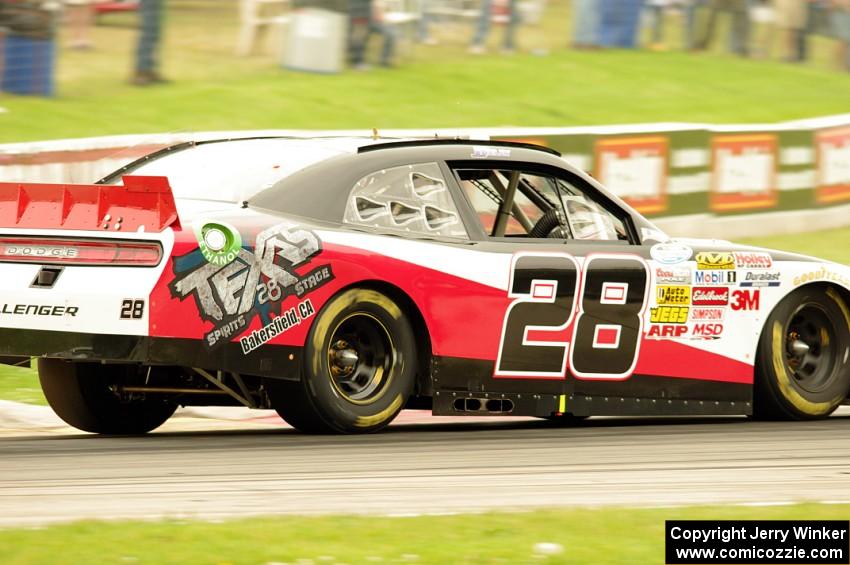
219,242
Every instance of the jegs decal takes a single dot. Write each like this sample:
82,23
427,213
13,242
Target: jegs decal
252,284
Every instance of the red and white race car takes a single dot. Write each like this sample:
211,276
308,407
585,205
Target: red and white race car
340,280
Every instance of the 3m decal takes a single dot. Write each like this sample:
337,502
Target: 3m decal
669,315
708,260
753,260
673,275
219,242
660,331
608,322
715,277
710,296
673,295
670,253
253,284
746,300
707,314
132,309
760,279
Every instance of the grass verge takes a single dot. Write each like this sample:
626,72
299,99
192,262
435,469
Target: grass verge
598,536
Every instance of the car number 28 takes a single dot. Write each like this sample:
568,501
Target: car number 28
605,308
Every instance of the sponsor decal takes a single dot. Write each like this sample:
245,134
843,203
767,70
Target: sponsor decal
253,284
710,296
746,300
38,310
673,275
760,279
673,295
279,324
715,260
707,314
715,277
485,151
670,253
219,242
707,331
822,274
753,260
659,331
669,315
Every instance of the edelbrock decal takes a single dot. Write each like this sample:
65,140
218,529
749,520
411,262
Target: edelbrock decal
670,253
253,283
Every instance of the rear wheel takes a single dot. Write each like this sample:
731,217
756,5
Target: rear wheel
359,367
803,363
80,394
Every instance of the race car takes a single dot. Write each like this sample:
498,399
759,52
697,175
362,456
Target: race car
339,281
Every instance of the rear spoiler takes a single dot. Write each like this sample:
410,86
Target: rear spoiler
142,203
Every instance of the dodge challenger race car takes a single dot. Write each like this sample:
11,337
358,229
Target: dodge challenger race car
339,281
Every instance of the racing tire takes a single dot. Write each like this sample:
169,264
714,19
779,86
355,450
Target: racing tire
79,394
358,371
803,359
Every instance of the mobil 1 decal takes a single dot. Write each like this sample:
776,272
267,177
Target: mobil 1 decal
604,302
232,284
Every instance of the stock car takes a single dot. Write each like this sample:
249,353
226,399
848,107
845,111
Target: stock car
338,281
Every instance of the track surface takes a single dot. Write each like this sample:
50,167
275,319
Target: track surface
423,468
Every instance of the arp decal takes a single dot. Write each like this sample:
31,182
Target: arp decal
711,260
660,331
253,284
746,300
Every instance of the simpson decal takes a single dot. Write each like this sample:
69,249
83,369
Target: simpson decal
253,283
707,260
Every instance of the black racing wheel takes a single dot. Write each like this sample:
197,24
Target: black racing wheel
803,361
80,394
359,367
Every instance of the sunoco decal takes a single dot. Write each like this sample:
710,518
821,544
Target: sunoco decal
252,284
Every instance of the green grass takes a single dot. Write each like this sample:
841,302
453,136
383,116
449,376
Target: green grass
597,536
21,384
432,87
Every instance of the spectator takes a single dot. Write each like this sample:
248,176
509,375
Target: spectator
147,52
586,24
619,22
840,20
791,21
689,31
655,10
365,18
80,18
739,35
485,19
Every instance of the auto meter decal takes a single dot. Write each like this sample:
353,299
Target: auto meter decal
231,293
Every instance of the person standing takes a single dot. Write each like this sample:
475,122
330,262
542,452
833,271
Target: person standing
792,21
366,17
147,50
485,19
739,35
586,24
80,17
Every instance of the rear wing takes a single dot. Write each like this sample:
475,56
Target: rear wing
141,204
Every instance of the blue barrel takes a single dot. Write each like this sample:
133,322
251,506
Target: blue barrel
28,65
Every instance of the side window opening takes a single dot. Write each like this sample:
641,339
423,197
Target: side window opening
409,198
512,203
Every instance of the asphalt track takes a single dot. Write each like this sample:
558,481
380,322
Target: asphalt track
412,468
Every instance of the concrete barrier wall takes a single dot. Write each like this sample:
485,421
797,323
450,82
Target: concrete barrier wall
692,179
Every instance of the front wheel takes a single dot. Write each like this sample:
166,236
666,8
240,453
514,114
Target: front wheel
803,362
80,394
359,367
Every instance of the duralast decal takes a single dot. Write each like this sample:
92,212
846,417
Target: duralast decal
760,279
232,294
707,260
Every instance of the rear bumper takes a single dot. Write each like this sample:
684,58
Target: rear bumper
269,361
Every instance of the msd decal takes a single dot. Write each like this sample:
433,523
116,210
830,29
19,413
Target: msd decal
252,284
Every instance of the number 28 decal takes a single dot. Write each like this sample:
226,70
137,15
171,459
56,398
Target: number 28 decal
549,295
